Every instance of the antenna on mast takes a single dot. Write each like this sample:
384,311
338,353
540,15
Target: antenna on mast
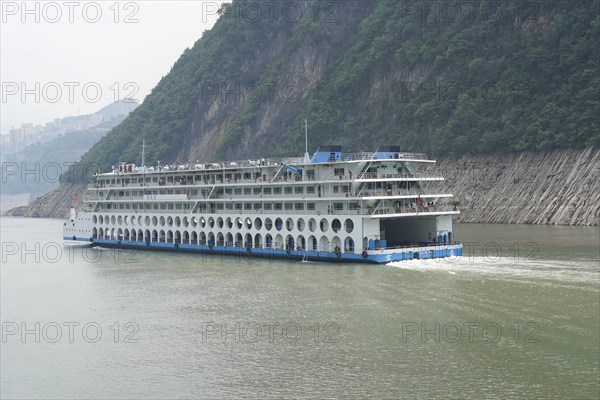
306,157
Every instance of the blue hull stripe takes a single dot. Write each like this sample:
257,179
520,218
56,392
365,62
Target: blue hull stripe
275,253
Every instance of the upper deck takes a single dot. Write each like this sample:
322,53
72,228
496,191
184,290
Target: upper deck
268,170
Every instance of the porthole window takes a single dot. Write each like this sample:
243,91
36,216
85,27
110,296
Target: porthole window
301,224
312,225
324,225
349,225
336,225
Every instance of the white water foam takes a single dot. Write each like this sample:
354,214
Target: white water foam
568,271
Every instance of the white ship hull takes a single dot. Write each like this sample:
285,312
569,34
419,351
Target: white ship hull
301,212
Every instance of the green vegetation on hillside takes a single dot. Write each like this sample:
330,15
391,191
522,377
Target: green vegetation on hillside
496,77
481,77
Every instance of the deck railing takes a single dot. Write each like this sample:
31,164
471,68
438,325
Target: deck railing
282,213
343,196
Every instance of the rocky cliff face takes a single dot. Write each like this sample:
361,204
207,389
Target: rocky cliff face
55,204
561,187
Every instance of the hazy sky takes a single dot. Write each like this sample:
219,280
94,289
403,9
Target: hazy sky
81,55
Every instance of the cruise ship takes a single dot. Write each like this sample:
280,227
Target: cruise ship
373,207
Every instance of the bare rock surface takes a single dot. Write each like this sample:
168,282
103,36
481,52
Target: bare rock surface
560,187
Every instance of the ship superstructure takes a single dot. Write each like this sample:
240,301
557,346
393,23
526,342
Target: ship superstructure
369,207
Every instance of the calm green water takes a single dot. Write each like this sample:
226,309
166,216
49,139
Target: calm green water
518,317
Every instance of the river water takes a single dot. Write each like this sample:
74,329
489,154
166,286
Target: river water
516,317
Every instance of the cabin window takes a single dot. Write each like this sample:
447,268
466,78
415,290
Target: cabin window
256,190
257,206
229,206
247,191
338,171
178,206
276,190
310,190
338,206
170,206
163,206
238,191
289,206
278,206
247,175
267,190
299,190
336,189
268,206
310,206
299,206
220,206
248,206
288,190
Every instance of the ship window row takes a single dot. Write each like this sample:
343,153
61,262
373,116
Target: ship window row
222,206
323,225
288,190
289,242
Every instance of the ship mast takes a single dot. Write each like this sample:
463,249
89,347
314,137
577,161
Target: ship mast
143,155
306,157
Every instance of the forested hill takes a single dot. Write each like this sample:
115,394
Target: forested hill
443,77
